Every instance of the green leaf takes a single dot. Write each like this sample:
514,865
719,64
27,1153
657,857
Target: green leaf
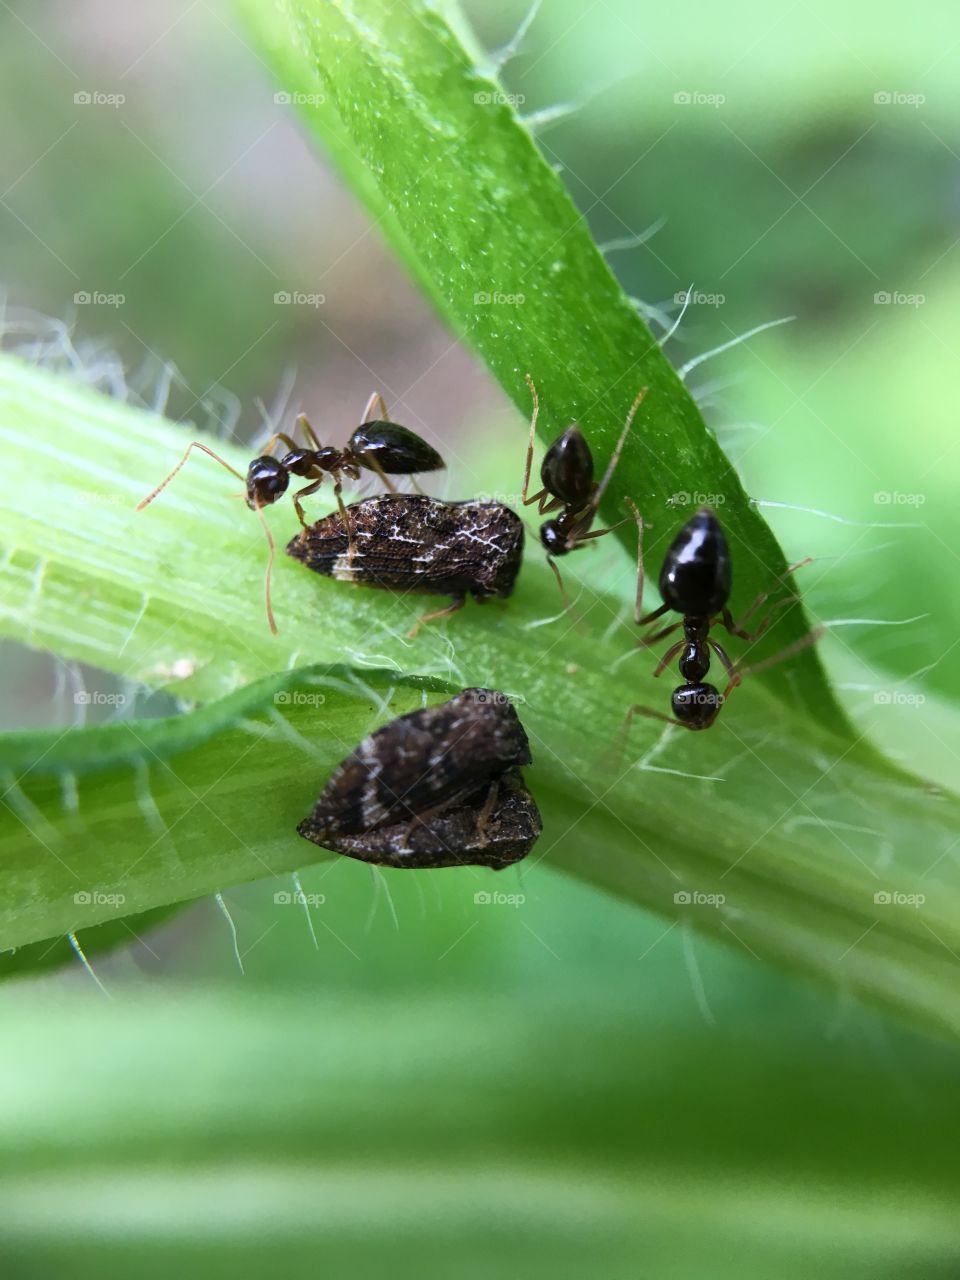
129,816
254,1134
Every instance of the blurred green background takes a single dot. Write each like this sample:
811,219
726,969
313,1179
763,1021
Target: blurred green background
408,1082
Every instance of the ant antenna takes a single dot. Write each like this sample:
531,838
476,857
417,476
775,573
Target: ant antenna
270,559
193,445
615,456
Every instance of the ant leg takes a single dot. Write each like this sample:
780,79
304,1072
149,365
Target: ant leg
453,607
724,657
375,400
638,603
620,742
737,627
669,656
652,617
303,493
580,539
812,636
344,516
597,533
645,642
372,465
309,434
281,435
568,604
615,458
545,500
737,673
195,444
270,559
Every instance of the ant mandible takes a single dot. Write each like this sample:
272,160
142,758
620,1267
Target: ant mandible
377,445
566,475
695,581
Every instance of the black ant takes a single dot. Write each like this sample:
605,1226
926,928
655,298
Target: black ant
695,581
566,475
377,445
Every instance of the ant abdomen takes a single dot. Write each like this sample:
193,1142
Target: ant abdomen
696,578
393,449
567,469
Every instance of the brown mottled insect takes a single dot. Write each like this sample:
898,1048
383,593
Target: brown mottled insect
413,543
439,787
377,445
494,827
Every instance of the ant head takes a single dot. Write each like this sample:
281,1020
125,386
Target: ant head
696,705
267,480
567,470
553,535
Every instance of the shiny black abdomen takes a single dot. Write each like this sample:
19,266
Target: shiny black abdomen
567,469
696,575
396,450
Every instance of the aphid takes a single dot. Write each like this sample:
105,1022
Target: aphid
377,445
408,542
566,475
695,581
439,787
